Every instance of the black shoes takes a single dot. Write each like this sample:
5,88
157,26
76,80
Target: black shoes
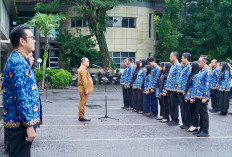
223,113
202,134
84,120
184,127
197,132
213,110
173,123
153,116
125,108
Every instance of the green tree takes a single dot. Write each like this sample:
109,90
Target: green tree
45,23
95,13
75,46
168,28
207,29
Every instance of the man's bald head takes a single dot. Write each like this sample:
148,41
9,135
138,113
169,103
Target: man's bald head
85,62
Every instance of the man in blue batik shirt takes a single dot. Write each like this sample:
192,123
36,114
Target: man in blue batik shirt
155,72
184,107
215,72
122,82
201,95
126,82
172,83
21,103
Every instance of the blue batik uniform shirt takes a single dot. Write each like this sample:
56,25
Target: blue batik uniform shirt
202,85
225,83
129,74
190,93
123,76
21,103
173,77
154,76
214,77
184,74
146,83
139,80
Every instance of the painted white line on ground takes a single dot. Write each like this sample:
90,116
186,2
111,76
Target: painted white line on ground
89,115
84,125
138,139
70,90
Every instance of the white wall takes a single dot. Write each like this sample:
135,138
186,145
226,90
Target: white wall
5,19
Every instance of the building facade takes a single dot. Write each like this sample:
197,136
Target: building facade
130,31
7,12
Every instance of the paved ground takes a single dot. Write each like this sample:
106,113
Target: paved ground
132,136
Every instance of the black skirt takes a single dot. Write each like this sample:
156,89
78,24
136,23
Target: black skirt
223,101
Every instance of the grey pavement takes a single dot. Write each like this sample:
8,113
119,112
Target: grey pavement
132,135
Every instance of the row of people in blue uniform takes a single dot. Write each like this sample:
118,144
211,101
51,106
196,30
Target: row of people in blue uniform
188,85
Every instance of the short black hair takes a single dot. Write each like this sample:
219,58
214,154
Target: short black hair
129,59
150,59
187,55
205,58
175,54
17,33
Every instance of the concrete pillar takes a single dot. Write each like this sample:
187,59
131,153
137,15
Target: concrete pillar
37,45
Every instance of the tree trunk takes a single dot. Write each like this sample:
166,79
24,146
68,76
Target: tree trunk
100,36
45,58
96,27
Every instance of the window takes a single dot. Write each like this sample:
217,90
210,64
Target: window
119,57
78,23
54,53
117,22
122,22
53,62
125,22
132,22
110,22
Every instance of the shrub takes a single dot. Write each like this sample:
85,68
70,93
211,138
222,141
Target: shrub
61,78
39,76
57,78
50,73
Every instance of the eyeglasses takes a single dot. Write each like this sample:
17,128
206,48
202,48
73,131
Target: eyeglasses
32,37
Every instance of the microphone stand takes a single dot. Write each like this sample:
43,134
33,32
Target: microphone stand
46,86
106,100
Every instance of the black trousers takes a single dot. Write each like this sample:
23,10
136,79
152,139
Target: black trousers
6,140
128,97
135,99
223,98
230,93
214,98
154,104
204,116
18,146
173,105
124,95
164,100
194,113
140,100
184,110
161,103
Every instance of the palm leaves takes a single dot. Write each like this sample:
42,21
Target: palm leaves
45,23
